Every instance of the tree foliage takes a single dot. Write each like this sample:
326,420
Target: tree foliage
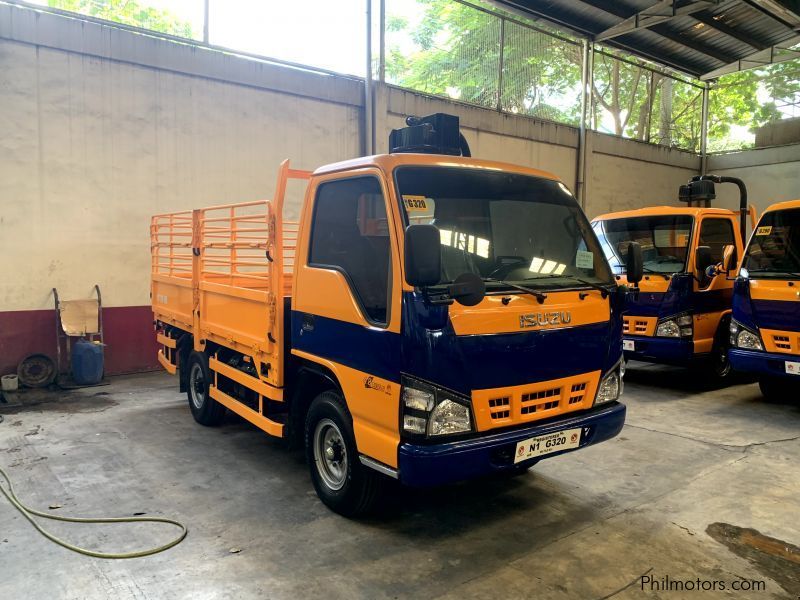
457,54
128,12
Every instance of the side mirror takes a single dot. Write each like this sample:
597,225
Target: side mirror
423,255
634,264
702,260
729,258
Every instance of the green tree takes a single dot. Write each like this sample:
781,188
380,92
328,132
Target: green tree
457,54
128,12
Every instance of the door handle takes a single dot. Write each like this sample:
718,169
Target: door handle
307,323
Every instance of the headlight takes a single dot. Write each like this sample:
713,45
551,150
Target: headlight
677,327
449,417
610,388
742,337
432,411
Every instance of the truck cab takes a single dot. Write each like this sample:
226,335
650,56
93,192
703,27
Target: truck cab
765,328
682,314
431,317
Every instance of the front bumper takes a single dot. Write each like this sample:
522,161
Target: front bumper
771,364
670,351
438,464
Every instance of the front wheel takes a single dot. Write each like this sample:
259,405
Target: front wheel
342,483
721,369
775,388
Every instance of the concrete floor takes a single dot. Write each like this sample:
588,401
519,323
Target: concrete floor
675,495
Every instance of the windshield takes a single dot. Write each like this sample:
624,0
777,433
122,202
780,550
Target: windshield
503,226
664,240
774,249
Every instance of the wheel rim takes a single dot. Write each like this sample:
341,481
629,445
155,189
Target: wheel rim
197,386
330,454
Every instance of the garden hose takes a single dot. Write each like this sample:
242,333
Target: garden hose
28,513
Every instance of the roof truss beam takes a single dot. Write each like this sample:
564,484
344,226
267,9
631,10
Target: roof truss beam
697,46
737,34
769,56
658,13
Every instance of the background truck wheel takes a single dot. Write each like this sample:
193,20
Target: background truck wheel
341,481
720,366
205,409
774,388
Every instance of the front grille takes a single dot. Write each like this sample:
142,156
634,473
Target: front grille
542,400
578,393
499,407
782,342
638,325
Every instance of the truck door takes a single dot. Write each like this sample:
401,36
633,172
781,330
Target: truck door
346,302
713,298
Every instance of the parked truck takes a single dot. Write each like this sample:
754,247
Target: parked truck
682,313
430,317
765,330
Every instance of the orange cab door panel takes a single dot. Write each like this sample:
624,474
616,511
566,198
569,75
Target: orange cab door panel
345,306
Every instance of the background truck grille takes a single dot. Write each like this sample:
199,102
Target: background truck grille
638,325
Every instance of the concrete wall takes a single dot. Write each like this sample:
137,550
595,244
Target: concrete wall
101,127
770,174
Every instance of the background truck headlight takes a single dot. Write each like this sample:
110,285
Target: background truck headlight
610,387
433,411
742,337
679,326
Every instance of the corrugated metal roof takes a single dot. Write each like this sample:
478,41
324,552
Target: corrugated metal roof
703,38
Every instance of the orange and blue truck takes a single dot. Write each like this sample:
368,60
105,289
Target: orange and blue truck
765,328
430,317
682,314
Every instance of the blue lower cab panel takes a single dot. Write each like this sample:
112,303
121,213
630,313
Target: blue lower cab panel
439,464
670,351
762,363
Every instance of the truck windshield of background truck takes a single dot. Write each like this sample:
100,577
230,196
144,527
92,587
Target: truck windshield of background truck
506,226
774,250
664,240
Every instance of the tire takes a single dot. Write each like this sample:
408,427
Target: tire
205,409
720,366
342,483
774,388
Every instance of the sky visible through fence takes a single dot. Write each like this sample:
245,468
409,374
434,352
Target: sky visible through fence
473,53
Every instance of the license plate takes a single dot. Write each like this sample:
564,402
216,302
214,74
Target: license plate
792,368
547,444
628,345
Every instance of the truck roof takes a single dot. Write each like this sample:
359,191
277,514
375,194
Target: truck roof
786,205
652,211
387,162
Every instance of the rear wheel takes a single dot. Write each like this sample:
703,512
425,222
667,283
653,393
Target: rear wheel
205,409
341,481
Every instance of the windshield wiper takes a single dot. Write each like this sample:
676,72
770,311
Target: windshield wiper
540,296
664,275
602,288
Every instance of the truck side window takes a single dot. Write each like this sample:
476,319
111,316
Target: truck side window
716,234
350,233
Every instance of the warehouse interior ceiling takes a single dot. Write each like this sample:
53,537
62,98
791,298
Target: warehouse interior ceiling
703,38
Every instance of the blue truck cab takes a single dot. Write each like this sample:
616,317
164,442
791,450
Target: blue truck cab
765,325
